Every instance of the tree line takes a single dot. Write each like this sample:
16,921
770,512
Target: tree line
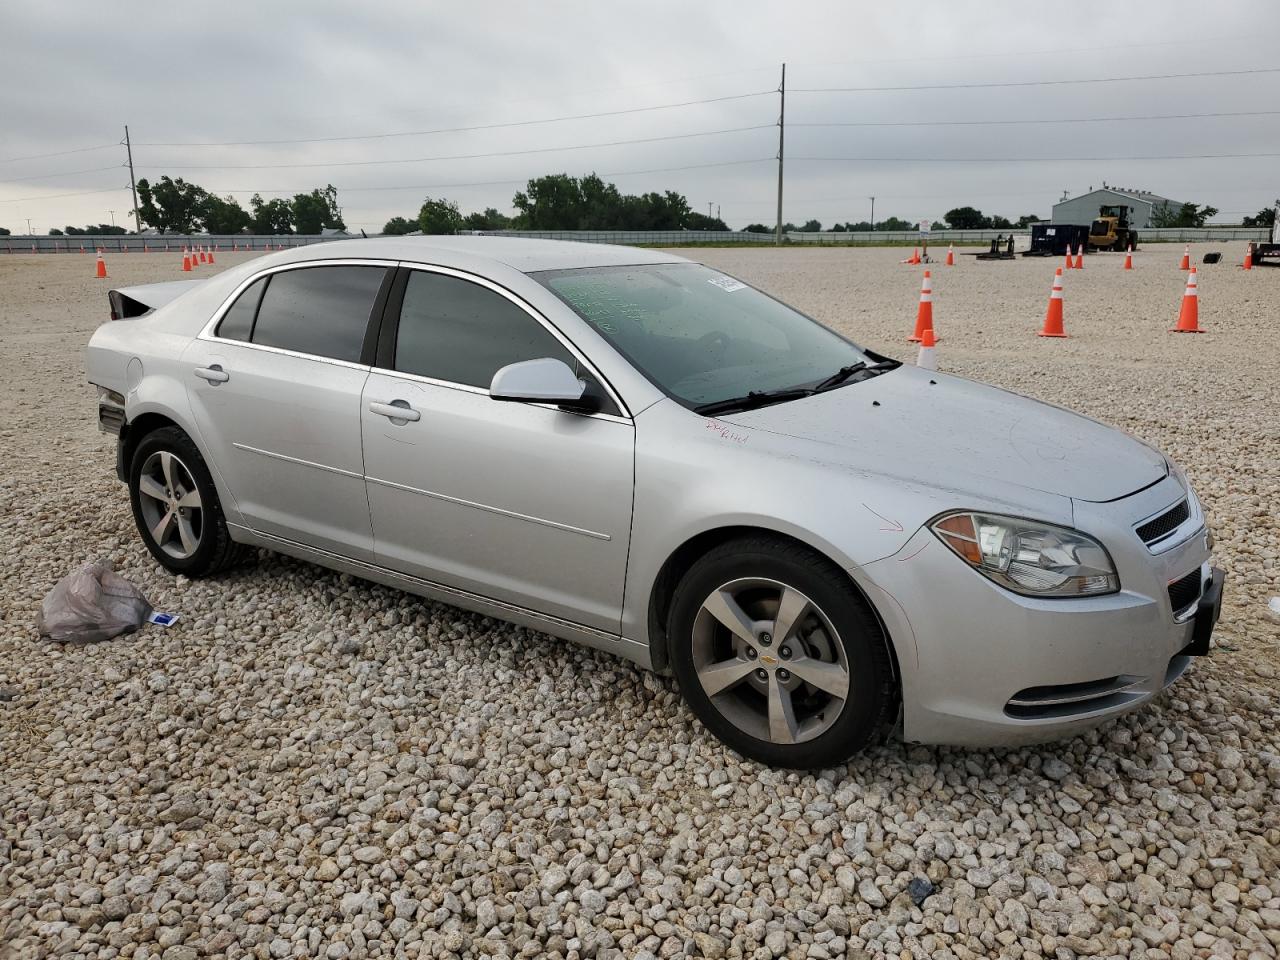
176,206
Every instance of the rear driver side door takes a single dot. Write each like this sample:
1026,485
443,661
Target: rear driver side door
518,502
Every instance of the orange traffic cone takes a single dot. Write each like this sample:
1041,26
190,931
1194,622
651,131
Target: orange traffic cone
1189,316
927,358
102,267
186,262
1080,257
211,255
1248,257
1128,258
915,257
951,255
1186,258
924,313
202,256
1066,264
1053,316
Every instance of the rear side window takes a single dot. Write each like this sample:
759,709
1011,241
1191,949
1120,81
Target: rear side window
322,311
460,332
237,323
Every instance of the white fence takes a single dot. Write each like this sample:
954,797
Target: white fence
857,238
122,243
174,242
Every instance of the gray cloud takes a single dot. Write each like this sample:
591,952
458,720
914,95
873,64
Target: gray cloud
77,72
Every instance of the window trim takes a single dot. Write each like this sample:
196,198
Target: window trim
384,358
209,332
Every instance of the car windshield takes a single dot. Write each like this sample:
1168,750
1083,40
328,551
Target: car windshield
700,336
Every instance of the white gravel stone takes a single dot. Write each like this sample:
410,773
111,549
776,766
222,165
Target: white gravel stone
304,754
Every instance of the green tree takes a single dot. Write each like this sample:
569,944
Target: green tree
317,210
757,228
4,232
700,221
271,216
1266,217
490,219
1187,215
170,205
53,232
811,226
223,215
998,222
399,226
439,217
553,202
1026,220
966,218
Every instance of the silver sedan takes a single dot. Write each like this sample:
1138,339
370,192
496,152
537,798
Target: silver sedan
639,453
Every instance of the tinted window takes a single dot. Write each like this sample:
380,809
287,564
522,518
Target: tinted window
461,332
237,323
318,310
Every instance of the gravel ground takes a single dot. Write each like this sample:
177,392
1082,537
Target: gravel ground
309,765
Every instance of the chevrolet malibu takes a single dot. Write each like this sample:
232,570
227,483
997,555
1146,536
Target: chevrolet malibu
636,452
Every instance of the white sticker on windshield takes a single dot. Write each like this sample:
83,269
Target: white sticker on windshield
727,284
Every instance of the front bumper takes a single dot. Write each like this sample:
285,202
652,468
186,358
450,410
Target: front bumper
982,666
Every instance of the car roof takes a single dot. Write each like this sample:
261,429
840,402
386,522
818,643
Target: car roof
519,253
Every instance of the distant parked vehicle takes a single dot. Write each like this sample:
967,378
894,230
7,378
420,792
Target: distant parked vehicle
633,451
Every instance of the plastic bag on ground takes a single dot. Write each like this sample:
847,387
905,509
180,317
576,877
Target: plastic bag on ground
93,603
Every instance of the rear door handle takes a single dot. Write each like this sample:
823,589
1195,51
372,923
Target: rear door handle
395,410
214,374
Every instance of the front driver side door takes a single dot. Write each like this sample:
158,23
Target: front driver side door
522,503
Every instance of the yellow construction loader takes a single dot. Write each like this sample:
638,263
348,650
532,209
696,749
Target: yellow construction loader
1112,229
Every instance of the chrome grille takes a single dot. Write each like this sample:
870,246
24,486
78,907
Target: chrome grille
1157,528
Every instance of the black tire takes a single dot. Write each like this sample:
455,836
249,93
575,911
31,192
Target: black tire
872,691
216,551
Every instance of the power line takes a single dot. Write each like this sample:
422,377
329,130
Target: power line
498,183
485,126
1070,159
56,196
61,153
69,173
978,123
462,156
1038,83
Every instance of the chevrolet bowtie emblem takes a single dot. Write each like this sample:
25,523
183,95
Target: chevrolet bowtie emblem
767,659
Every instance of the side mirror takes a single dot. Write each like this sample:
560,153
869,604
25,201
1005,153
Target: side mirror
542,381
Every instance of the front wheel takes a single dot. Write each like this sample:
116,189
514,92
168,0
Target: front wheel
779,655
176,506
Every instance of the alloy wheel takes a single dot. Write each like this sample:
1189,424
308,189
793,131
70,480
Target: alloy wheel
770,660
170,503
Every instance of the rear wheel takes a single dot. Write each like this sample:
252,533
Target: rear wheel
176,506
779,655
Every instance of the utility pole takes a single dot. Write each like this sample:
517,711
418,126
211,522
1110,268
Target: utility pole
782,126
873,212
113,217
29,233
133,184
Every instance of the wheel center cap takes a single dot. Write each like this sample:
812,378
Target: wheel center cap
768,660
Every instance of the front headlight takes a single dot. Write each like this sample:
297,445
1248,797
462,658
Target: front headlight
1027,557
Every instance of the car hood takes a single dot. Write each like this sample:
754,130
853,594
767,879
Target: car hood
943,430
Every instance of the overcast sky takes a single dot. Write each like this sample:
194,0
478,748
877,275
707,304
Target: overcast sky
192,73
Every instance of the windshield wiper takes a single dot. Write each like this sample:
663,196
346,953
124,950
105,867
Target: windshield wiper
844,373
754,399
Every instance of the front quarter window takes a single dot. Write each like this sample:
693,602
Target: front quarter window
699,335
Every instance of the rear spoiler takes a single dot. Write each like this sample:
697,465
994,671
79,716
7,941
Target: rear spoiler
129,302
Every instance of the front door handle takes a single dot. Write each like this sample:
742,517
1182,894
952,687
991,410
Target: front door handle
214,373
395,410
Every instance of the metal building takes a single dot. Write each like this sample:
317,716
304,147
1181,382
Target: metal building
1084,208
